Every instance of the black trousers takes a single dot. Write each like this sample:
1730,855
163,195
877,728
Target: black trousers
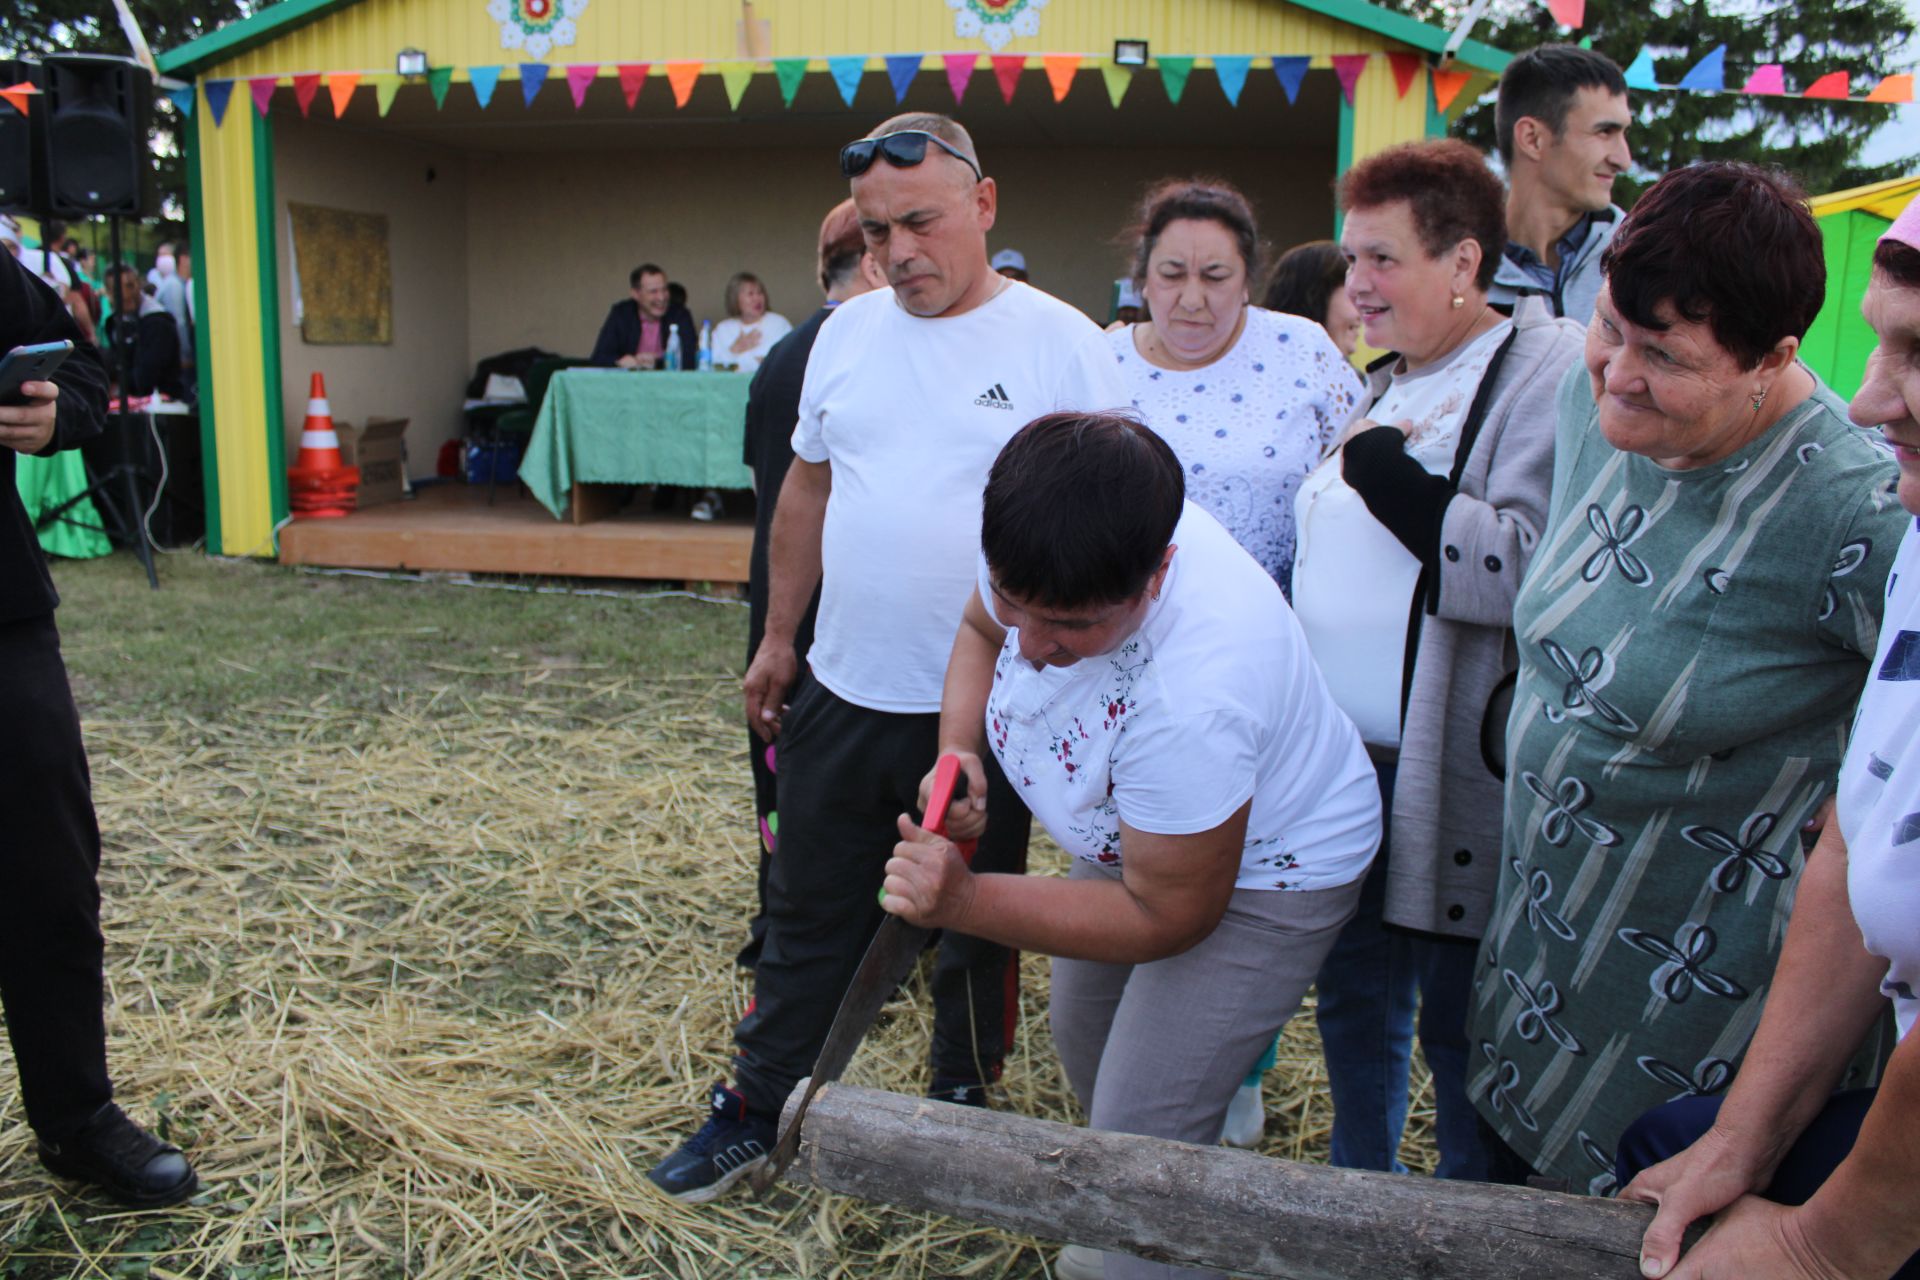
846,773
50,944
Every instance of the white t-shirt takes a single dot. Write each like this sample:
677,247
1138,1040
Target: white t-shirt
1214,700
771,327
911,413
1251,425
1879,799
51,267
1353,581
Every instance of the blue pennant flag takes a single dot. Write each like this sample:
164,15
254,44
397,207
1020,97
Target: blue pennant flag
1232,73
901,69
532,76
846,73
218,91
1640,73
484,78
1710,73
182,99
1291,72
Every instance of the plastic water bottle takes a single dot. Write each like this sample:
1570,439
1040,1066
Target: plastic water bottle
706,345
670,359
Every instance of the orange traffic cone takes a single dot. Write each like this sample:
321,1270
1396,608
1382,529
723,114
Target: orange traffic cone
319,483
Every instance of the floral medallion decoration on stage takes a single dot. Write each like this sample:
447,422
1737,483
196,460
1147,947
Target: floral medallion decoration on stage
536,26
996,21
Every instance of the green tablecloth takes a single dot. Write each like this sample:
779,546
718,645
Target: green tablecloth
47,482
613,426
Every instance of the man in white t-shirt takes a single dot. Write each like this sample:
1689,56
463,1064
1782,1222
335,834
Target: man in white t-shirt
910,393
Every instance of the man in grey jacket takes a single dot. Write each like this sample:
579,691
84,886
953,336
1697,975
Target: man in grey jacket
1561,125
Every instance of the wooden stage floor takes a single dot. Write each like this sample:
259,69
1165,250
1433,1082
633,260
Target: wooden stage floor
451,527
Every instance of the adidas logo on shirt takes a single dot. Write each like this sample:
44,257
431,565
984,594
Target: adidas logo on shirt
996,397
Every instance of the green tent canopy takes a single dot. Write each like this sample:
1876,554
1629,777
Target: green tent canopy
1850,222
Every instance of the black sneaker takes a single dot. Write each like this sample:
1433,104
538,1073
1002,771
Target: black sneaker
731,1144
122,1160
964,1093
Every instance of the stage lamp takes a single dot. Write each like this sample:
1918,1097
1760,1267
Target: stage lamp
411,63
1130,53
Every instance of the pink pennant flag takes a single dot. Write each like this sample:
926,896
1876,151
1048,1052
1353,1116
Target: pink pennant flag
1568,13
261,87
1348,67
304,87
579,76
1834,84
1006,69
632,76
959,70
1771,78
341,85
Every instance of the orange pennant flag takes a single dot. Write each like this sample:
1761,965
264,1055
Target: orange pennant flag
1447,86
17,96
681,76
1060,70
341,85
1893,89
1834,84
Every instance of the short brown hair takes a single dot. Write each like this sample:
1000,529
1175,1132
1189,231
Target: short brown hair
841,244
945,128
1305,278
740,280
1728,244
1449,189
1201,200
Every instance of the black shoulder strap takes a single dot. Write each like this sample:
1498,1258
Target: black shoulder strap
1482,401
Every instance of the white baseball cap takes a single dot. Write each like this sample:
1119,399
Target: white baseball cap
1009,258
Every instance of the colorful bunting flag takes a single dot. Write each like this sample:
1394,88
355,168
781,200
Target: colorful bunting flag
1834,84
1893,89
181,98
1118,78
385,88
960,70
340,86
439,80
1061,68
632,76
1568,13
1405,67
580,76
532,76
735,77
1291,71
20,96
846,73
1348,67
304,87
1173,76
1770,78
901,69
789,72
217,91
1709,74
262,87
1640,73
1232,74
681,76
1447,86
1006,69
483,80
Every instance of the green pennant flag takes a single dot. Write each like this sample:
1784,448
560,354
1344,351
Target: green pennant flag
1118,78
439,79
1173,76
384,87
789,71
735,76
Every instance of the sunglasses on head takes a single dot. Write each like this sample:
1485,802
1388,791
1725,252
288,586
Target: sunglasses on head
902,150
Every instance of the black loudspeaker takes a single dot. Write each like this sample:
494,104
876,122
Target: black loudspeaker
20,145
96,112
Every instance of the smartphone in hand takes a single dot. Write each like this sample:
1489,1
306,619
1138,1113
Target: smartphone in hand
35,363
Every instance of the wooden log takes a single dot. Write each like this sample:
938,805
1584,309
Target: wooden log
1209,1207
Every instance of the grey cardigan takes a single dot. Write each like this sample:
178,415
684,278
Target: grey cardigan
1443,862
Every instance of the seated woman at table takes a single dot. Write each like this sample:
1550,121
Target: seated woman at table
743,339
1140,676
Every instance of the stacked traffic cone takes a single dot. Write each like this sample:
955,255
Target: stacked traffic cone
320,483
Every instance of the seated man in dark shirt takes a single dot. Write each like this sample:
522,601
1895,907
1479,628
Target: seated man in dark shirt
144,337
634,335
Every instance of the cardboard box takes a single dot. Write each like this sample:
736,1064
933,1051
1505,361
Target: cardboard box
379,450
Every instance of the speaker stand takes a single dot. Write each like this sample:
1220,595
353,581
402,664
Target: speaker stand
130,524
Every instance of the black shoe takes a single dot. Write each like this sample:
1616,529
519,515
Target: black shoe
731,1144
128,1164
964,1093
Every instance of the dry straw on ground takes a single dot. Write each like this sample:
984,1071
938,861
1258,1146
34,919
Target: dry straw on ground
426,990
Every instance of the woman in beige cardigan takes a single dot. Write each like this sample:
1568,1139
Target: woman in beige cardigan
1414,536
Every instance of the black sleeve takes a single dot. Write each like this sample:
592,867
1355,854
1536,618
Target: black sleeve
32,313
606,347
1400,493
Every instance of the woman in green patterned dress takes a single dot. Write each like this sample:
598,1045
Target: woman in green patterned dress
1694,632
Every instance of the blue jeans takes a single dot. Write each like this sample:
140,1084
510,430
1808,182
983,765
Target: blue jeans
1370,986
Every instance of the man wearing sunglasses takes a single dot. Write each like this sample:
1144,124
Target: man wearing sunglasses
910,392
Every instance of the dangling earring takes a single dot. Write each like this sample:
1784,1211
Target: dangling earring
1458,302
1759,398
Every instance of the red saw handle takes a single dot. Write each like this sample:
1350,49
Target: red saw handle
947,778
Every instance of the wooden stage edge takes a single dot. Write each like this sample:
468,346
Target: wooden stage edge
450,528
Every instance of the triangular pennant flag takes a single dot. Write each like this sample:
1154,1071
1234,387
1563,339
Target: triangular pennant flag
340,86
262,87
1893,89
1173,76
681,76
632,76
384,89
1405,66
1768,78
1232,74
1348,67
181,98
20,96
579,79
439,80
789,72
901,69
484,79
1640,72
532,76
1709,75
735,76
1060,72
1117,78
1568,13
217,91
1006,69
1447,86
959,70
1834,84
304,87
846,73
1291,72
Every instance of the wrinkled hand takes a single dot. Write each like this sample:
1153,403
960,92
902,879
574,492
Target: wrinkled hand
770,678
927,882
967,816
747,341
28,428
1754,1239
1702,1180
